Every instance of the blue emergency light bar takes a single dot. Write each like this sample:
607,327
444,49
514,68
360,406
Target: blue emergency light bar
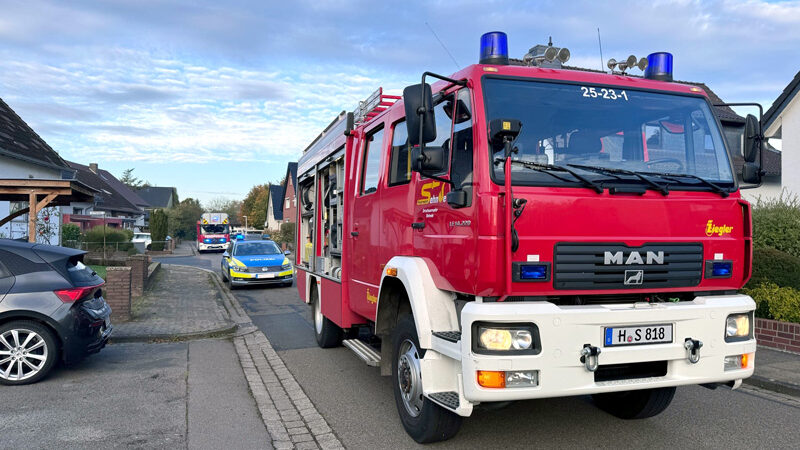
494,48
659,66
533,272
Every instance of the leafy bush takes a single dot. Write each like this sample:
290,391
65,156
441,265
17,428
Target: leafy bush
776,224
285,235
70,233
115,238
775,266
775,302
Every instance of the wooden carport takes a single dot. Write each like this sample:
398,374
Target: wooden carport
40,194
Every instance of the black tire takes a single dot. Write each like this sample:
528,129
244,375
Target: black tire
49,350
433,423
328,334
223,273
635,404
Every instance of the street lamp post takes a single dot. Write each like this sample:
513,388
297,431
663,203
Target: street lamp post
245,223
102,213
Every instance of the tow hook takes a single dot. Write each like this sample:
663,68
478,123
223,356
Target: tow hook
590,357
693,346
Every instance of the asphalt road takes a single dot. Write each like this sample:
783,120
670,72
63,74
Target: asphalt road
358,402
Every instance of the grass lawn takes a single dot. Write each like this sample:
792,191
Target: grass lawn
101,271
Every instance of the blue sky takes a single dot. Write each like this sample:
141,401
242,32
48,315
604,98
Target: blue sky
215,97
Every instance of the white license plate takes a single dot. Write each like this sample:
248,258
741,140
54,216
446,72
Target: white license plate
638,334
266,275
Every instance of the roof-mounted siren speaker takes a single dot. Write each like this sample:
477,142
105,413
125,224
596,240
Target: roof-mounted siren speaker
659,66
494,48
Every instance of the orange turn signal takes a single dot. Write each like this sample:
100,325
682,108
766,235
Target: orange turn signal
745,360
391,271
492,379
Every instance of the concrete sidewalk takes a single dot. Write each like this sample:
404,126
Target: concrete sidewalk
777,371
183,302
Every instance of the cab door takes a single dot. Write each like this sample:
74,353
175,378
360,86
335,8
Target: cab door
365,226
445,234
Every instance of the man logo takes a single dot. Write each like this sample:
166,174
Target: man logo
633,258
634,277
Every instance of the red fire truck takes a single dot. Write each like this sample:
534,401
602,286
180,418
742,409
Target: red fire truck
522,231
213,232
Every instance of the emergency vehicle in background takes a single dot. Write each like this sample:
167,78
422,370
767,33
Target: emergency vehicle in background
524,231
213,232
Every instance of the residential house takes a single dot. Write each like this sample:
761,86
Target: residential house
114,205
157,197
781,124
274,208
27,161
289,195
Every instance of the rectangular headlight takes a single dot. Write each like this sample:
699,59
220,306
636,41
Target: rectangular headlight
505,338
738,327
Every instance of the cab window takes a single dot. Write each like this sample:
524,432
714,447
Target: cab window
400,159
370,171
443,111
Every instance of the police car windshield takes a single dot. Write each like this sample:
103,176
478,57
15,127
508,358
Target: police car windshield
612,127
256,248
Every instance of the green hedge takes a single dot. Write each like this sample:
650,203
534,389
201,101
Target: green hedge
775,302
775,266
113,236
776,224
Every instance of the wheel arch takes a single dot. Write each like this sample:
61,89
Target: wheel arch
433,309
11,316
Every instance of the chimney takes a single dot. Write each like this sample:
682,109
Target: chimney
93,167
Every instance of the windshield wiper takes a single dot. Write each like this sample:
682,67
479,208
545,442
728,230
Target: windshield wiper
548,167
714,187
662,189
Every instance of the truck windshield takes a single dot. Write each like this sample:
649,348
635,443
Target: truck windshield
597,127
215,229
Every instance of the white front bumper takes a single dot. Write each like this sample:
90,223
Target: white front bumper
564,330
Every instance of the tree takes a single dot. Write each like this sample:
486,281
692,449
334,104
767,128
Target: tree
131,181
183,219
254,205
230,207
158,229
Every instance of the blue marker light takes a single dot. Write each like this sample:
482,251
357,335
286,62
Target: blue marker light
533,272
659,66
721,269
494,48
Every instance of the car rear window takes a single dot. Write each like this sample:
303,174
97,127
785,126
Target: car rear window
81,274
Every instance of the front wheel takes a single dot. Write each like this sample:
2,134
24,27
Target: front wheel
635,404
28,352
423,420
328,334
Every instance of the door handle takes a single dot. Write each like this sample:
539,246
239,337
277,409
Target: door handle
418,225
354,233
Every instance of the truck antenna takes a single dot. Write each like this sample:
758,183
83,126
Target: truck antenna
443,46
599,43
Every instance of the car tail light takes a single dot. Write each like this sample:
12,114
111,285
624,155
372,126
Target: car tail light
74,294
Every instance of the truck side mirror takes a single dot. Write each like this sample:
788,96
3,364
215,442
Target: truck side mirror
502,133
418,102
753,139
753,148
431,161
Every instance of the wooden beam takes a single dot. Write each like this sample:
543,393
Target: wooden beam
13,216
32,182
32,217
45,190
46,201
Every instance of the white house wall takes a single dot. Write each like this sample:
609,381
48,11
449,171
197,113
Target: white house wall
14,168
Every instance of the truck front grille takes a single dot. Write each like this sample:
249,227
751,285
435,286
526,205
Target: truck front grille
611,266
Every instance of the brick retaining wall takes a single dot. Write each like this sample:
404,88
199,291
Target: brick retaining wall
139,273
778,335
117,292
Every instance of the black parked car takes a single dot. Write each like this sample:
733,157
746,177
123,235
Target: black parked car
51,309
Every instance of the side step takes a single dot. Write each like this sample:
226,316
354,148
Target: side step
447,399
451,336
363,351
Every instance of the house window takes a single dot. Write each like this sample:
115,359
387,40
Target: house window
287,203
77,211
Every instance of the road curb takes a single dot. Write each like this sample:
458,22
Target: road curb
225,331
773,385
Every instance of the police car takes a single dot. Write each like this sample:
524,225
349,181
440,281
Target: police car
256,262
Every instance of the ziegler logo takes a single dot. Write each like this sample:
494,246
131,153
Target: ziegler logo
719,230
633,258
